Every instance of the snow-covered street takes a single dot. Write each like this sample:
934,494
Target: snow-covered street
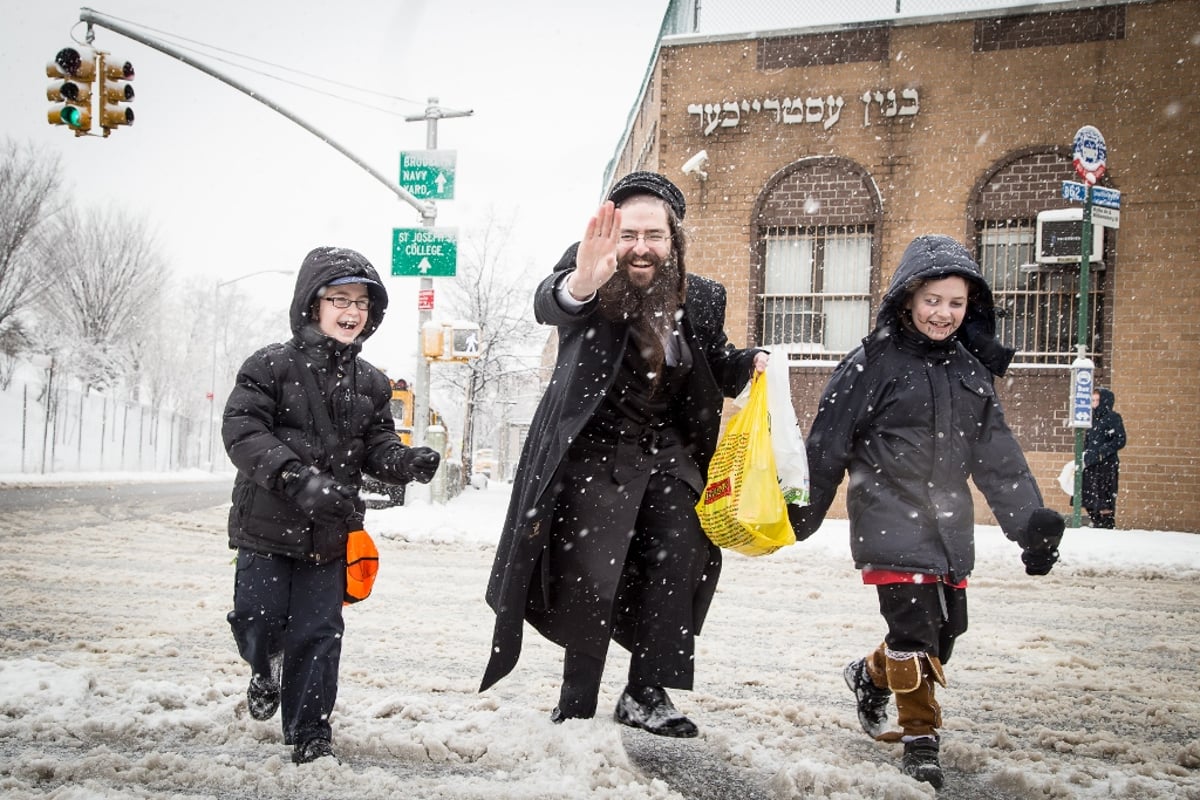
119,677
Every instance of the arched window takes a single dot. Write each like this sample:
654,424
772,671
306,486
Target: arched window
816,225
1038,303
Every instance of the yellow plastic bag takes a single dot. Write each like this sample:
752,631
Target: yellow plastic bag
743,508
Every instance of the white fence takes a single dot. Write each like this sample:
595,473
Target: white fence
69,430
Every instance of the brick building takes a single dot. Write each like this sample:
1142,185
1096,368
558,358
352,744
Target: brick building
829,148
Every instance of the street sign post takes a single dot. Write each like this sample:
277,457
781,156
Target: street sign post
425,252
428,174
1091,161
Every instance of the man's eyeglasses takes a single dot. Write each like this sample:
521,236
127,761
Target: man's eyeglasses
362,304
649,237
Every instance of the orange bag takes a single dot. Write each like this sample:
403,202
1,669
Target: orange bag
362,565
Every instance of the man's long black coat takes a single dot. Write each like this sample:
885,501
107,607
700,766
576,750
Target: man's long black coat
590,351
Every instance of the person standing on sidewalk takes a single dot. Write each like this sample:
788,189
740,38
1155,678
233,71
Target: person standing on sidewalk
910,415
1102,460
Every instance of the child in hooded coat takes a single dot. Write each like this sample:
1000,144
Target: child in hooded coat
303,423
910,415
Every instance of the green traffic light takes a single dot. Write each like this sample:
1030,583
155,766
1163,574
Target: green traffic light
72,116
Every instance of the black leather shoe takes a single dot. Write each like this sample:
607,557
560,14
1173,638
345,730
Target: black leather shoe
313,749
649,708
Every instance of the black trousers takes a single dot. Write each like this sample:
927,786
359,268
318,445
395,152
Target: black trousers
923,617
1100,484
625,563
284,605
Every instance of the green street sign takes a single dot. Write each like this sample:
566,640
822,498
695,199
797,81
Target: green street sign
425,252
428,174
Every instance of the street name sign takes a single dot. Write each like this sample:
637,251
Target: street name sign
1076,192
428,174
425,252
1110,198
1108,217
1106,197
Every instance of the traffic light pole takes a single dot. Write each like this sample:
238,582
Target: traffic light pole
426,209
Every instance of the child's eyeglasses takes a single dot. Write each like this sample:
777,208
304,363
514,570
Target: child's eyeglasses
362,304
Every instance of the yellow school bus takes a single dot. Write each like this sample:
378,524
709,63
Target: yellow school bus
402,410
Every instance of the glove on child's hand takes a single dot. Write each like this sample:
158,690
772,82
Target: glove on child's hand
419,463
423,463
1039,543
804,520
318,495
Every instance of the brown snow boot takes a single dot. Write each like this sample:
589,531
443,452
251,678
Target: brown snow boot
912,676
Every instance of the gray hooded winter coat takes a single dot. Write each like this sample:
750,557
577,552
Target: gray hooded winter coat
910,420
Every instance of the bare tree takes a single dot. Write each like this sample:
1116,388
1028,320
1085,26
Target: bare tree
14,342
107,276
29,195
492,292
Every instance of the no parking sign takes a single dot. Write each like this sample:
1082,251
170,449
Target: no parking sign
1090,154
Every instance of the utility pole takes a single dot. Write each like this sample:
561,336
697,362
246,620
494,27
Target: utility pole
433,112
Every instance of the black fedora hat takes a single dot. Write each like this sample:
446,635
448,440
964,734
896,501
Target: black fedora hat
649,183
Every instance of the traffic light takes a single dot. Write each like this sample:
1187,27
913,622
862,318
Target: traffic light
115,92
73,70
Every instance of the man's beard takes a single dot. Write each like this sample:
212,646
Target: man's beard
650,311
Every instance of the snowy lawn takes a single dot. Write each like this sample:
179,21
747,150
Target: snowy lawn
119,678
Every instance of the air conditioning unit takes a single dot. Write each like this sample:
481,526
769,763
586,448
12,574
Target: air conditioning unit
1060,237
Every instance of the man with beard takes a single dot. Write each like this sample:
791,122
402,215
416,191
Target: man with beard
601,541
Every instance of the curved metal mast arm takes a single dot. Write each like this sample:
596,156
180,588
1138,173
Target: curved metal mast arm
427,210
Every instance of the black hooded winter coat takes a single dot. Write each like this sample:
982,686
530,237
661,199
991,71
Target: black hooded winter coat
1101,456
1106,437
910,420
269,422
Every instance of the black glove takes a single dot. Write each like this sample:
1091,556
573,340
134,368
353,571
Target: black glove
804,521
419,463
1039,542
319,496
